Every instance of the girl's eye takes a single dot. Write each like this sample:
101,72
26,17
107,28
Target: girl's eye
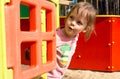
79,23
71,17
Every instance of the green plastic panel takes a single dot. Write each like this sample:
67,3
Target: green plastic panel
24,11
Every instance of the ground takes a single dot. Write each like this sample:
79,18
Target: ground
87,74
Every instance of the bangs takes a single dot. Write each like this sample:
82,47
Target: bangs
87,13
83,14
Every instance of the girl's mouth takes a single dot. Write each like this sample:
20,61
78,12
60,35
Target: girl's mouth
70,28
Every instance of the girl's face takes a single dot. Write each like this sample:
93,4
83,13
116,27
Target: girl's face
74,24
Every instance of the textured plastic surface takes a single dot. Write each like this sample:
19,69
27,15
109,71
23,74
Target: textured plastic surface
34,36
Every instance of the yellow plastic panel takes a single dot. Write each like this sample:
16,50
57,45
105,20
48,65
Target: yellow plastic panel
56,2
44,56
9,74
2,39
43,21
57,16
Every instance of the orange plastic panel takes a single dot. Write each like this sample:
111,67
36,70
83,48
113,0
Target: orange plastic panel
94,54
16,37
115,43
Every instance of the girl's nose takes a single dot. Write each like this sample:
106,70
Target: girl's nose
73,23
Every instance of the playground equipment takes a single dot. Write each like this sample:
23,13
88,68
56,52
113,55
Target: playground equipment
17,35
101,51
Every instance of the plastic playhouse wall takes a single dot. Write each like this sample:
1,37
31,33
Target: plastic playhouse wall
27,39
101,51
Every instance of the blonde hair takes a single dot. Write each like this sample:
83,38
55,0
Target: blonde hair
87,10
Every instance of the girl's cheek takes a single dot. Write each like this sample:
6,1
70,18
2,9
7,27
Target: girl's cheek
78,30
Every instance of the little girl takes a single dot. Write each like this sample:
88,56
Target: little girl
80,19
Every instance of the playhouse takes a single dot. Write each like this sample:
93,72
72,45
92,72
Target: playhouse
28,42
20,35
